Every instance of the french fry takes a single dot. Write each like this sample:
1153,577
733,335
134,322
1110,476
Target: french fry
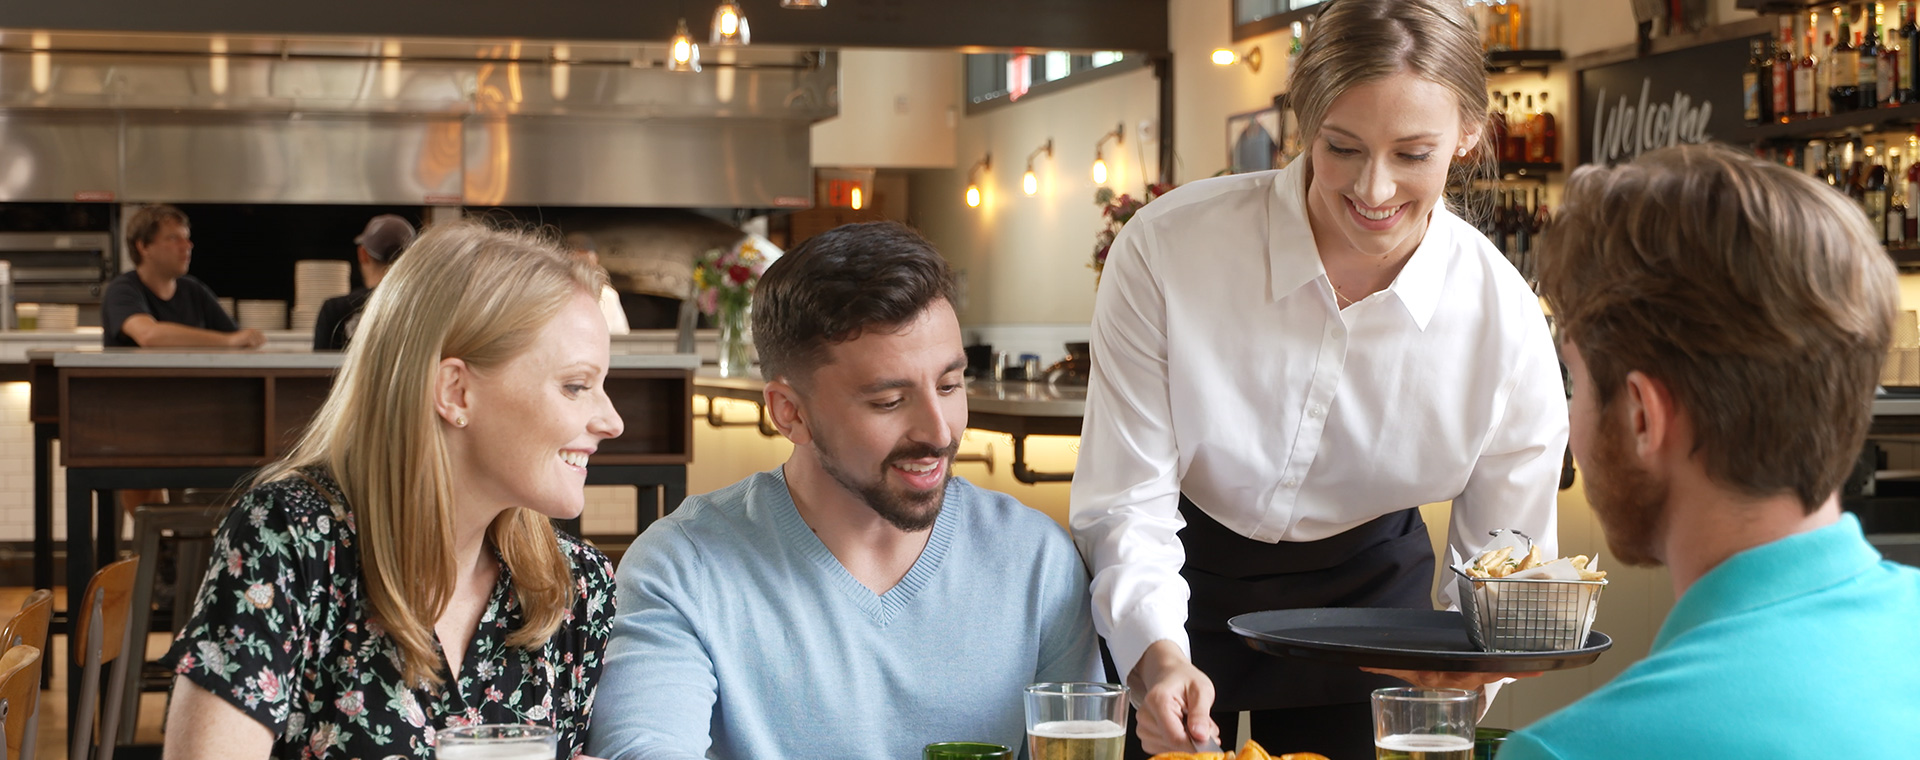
1535,558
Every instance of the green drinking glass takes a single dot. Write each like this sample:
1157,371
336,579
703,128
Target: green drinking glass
965,751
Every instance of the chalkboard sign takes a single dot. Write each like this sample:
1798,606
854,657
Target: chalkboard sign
1686,96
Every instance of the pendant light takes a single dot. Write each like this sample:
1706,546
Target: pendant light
729,26
686,55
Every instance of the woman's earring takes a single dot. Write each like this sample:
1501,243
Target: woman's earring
1463,152
460,421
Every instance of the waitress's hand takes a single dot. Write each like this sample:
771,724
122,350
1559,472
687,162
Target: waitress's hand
1441,679
1175,702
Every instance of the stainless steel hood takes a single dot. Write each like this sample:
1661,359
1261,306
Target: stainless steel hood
280,120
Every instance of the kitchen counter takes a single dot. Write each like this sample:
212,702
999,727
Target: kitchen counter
281,358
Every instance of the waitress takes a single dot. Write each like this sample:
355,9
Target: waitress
1287,365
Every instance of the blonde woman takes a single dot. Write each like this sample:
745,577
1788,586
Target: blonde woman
1290,363
396,574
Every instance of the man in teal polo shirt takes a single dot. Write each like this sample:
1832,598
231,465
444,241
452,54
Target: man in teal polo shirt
1724,320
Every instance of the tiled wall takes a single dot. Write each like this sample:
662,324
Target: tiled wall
16,470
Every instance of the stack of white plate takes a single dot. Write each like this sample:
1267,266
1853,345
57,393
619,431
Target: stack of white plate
303,317
59,316
316,280
226,305
261,315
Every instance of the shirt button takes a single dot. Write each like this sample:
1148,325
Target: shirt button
1291,483
1317,411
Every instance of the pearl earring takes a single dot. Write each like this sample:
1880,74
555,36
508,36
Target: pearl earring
460,421
1463,152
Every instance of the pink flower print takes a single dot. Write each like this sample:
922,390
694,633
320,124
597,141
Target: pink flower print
473,717
322,739
260,595
410,708
186,664
233,562
269,683
351,704
494,694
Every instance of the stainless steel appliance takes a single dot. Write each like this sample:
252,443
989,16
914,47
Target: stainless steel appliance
58,267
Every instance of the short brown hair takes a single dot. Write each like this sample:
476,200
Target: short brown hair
1759,296
145,225
838,284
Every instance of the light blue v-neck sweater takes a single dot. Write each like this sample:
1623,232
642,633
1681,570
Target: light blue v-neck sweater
739,635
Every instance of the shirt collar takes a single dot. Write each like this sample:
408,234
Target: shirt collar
1771,573
1293,260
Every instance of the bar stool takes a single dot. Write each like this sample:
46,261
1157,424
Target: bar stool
101,636
19,700
190,527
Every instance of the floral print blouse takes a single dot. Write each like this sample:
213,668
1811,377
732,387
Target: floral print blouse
281,630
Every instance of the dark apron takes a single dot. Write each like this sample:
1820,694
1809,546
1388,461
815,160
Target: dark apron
1386,562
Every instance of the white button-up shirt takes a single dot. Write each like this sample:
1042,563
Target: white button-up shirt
1224,369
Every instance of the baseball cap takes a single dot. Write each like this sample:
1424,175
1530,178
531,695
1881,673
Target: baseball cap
385,237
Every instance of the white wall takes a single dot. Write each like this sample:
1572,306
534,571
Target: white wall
1024,260
898,110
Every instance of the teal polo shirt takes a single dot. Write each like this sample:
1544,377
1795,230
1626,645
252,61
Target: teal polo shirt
1805,647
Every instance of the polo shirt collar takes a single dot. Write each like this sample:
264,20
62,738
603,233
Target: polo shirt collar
1293,260
1771,573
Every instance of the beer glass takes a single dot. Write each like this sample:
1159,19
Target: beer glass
1411,723
497,742
1076,721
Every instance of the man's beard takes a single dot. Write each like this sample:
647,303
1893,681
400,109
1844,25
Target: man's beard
1629,501
910,511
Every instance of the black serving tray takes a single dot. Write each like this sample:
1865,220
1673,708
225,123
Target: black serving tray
1396,639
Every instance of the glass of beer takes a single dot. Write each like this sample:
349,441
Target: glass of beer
1412,723
1076,721
497,742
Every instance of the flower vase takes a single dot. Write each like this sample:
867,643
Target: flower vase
734,321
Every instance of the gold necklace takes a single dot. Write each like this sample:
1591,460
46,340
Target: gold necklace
1339,296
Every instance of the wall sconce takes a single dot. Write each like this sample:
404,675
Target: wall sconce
973,180
1118,136
686,55
729,25
1029,182
1226,57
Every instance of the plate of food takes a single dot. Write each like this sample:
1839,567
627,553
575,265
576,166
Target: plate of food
1396,639
1252,751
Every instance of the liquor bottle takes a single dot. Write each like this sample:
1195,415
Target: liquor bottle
1496,143
1912,231
1500,28
1873,192
1907,60
1886,77
1845,72
1815,163
1754,99
1869,71
1517,24
1855,173
1803,77
1516,130
1823,74
1782,68
1530,131
1541,215
1547,134
1522,224
1896,222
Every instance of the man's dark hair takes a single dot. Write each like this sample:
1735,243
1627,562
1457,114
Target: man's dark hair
145,225
837,285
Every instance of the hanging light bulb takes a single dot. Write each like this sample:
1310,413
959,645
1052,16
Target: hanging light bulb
42,62
217,65
729,25
854,200
686,55
1118,135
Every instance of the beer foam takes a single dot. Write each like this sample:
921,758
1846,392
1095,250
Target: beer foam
1424,743
1078,729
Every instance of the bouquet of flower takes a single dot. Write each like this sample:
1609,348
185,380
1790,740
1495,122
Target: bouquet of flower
1117,210
725,277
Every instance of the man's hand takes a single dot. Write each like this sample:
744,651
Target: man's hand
248,338
1175,700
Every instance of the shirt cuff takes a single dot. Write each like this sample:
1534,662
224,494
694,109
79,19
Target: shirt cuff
1131,638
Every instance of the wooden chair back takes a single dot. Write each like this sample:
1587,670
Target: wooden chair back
19,697
116,582
28,627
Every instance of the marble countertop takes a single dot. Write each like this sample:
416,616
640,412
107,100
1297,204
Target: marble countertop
1016,398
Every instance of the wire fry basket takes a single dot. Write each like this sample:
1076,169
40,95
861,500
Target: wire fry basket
1527,614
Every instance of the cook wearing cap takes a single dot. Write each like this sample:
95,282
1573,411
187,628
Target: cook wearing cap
380,244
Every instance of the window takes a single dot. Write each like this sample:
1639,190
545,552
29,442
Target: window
995,79
1252,18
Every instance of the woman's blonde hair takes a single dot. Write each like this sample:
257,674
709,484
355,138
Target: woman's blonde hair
467,291
1354,42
